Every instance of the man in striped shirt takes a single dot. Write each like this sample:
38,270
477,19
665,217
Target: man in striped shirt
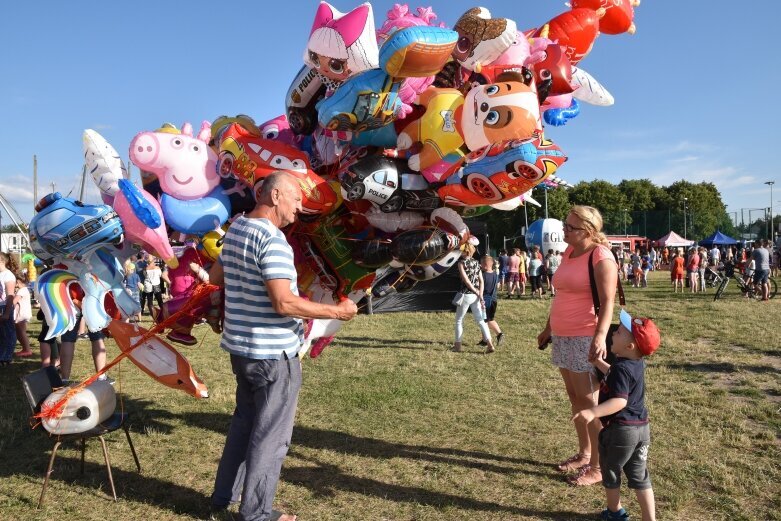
262,333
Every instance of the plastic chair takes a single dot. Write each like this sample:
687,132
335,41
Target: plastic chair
37,387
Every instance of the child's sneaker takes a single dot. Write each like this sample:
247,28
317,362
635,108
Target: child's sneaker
609,515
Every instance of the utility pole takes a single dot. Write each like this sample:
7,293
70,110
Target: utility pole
35,182
546,202
83,180
684,217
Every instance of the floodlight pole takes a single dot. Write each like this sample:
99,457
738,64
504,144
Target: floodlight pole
770,222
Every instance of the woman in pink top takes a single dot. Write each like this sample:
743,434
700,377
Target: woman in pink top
578,334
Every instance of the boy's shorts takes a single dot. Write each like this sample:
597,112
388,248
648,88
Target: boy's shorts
625,447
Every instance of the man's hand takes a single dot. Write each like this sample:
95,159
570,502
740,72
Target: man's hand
585,416
346,309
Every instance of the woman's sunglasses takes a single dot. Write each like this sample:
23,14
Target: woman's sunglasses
570,228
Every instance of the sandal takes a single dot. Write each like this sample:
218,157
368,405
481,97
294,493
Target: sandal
587,475
573,463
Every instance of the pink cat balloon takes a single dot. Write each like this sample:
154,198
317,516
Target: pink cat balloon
184,165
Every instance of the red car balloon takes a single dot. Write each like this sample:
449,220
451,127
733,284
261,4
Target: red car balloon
618,14
574,30
250,158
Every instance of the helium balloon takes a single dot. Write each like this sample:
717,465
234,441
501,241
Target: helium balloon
501,171
417,51
574,30
103,163
619,14
342,45
303,94
548,234
559,117
482,39
185,165
589,89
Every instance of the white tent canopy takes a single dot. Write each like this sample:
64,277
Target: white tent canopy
673,239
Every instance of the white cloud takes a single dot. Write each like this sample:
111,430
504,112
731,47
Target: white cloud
684,159
16,193
648,152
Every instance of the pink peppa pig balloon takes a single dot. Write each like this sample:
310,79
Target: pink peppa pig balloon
184,165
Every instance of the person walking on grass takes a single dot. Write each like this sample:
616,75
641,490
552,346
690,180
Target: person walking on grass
693,269
552,265
761,258
7,327
502,261
23,313
703,256
513,273
677,269
472,290
535,273
625,439
263,334
578,333
490,298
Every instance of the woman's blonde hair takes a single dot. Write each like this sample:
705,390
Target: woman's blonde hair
469,249
592,222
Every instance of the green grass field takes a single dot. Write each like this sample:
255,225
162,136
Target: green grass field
393,426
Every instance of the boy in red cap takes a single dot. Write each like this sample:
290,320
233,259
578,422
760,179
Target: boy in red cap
625,438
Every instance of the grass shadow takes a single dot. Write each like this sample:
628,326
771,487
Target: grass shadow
721,367
325,480
130,485
320,439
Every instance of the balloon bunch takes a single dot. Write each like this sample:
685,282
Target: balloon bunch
394,134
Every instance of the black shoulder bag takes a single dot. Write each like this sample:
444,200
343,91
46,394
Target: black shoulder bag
610,358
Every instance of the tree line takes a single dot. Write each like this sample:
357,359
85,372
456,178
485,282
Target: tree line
634,207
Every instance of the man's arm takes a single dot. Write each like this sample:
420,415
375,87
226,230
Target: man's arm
286,303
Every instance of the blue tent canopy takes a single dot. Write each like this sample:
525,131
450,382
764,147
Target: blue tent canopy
717,239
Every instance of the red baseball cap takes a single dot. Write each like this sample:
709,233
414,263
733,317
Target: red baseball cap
644,331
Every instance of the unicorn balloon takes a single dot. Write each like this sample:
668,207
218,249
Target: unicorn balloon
140,213
99,272
103,164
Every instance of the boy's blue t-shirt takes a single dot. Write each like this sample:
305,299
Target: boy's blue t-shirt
503,259
625,379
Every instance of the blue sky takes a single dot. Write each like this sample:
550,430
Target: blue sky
694,88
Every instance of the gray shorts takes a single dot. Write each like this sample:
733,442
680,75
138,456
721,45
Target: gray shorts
625,447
